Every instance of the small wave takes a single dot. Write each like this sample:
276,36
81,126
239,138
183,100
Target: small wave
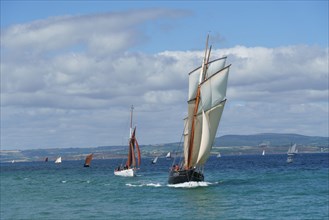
144,184
63,181
191,184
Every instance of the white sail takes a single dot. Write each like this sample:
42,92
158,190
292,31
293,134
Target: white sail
206,100
58,160
154,161
213,90
168,155
212,93
210,124
292,150
194,76
197,139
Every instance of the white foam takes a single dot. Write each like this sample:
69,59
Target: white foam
144,184
191,184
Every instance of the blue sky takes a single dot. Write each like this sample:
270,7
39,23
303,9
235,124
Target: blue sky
71,69
251,23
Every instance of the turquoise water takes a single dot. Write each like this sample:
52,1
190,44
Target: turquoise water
235,187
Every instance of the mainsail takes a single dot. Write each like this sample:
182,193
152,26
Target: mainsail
206,101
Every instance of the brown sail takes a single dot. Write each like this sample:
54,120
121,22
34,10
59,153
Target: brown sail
88,160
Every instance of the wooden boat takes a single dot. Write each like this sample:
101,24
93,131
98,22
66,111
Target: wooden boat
206,101
131,166
89,157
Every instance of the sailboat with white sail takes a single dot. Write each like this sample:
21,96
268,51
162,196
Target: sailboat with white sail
58,160
168,156
155,160
292,151
206,101
131,166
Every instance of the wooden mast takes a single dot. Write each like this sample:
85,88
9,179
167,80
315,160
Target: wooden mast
197,101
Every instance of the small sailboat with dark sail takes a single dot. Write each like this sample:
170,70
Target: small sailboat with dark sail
89,157
206,101
131,166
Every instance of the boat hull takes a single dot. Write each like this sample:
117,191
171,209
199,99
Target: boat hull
86,165
126,173
182,176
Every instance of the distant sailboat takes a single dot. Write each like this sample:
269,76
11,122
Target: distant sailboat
88,160
58,160
219,155
292,151
154,161
130,168
46,159
206,101
263,154
168,155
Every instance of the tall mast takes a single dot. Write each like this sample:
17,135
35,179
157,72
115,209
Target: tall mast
195,112
131,120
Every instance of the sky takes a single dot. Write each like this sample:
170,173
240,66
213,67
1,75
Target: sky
70,70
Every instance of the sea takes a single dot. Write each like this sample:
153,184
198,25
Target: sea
235,187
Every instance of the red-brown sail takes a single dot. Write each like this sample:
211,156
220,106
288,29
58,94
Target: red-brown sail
88,160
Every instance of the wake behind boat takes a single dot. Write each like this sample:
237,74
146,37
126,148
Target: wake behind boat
206,101
130,168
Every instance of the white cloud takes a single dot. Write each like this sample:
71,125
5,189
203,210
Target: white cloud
75,79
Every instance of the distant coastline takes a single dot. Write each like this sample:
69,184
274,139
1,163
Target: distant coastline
225,145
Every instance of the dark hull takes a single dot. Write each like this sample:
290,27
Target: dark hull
183,176
86,165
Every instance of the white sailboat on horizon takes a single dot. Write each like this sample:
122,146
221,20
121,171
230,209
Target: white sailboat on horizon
58,160
292,151
154,161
